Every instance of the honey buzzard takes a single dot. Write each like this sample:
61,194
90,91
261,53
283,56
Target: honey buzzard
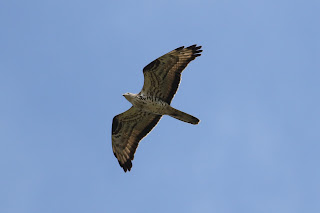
161,81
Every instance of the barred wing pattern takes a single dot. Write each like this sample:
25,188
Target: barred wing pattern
162,76
128,129
161,79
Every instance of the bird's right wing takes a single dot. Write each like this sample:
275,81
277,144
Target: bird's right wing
128,129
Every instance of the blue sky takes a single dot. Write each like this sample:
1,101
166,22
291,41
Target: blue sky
64,66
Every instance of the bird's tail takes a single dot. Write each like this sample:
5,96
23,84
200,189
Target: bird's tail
182,116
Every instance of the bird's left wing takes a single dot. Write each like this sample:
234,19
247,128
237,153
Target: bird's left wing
128,129
162,76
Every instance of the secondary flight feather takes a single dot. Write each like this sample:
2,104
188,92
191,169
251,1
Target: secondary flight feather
161,81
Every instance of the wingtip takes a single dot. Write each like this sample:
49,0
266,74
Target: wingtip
179,48
197,122
195,49
126,166
194,46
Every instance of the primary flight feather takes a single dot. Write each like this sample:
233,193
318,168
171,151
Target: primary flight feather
161,81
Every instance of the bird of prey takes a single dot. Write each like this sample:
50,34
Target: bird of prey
161,80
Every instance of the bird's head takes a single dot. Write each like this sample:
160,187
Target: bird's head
129,96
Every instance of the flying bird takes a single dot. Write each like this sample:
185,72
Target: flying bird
161,81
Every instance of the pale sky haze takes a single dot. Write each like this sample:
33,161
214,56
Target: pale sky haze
64,66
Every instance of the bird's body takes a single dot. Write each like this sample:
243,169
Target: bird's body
150,104
161,80
156,106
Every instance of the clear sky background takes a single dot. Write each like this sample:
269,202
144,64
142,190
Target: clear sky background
64,66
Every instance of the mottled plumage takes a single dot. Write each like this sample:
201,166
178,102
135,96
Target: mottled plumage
161,81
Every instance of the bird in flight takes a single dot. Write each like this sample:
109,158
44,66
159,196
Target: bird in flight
161,81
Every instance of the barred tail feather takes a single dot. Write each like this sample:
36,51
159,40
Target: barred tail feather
182,116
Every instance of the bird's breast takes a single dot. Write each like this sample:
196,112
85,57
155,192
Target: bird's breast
151,104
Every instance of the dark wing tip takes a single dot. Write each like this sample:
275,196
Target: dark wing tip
196,50
194,47
126,166
179,48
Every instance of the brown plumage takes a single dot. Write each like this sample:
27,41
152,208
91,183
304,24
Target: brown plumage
161,81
